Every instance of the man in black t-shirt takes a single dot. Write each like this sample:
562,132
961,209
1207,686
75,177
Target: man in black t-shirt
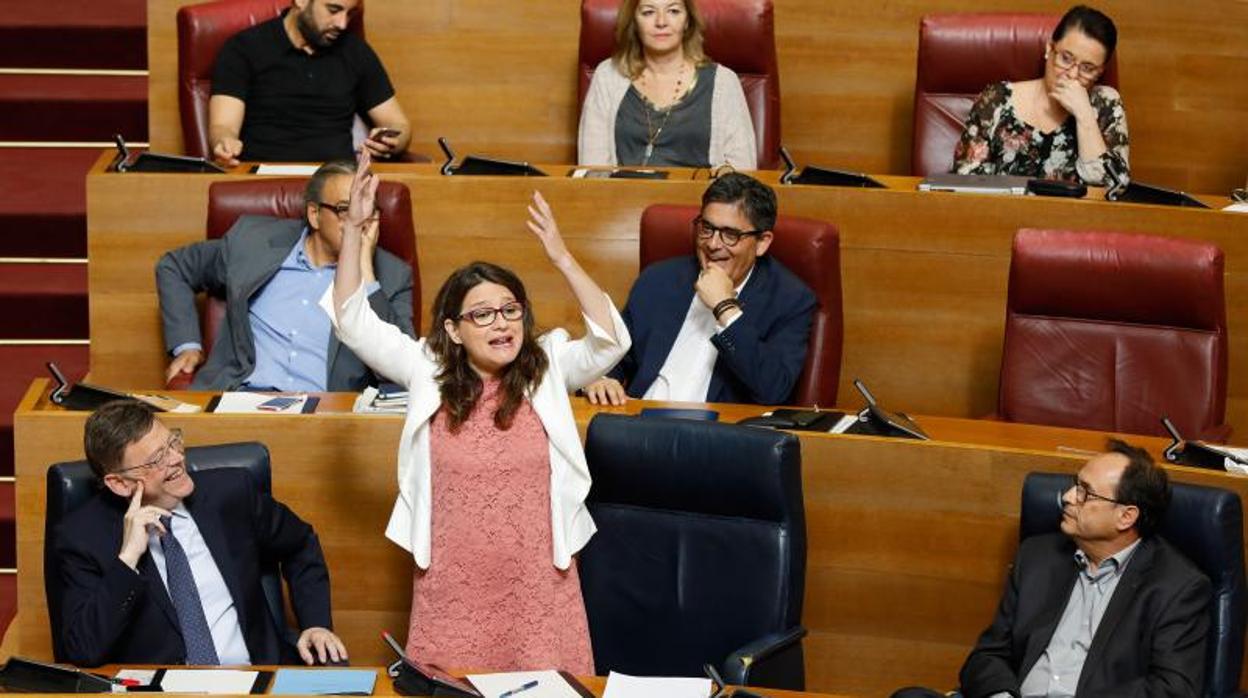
289,90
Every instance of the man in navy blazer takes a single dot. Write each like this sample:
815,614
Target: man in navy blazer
728,324
124,598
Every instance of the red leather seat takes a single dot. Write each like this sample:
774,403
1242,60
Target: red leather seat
811,249
740,34
1110,331
283,198
960,55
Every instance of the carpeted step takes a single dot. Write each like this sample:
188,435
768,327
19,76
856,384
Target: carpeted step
8,527
43,207
95,34
21,364
8,601
73,108
44,300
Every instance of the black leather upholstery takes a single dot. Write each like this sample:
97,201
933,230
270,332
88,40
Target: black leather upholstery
70,485
1206,524
700,555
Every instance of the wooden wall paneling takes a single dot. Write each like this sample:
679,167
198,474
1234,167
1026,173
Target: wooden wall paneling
500,78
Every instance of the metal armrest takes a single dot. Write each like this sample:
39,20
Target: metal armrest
738,665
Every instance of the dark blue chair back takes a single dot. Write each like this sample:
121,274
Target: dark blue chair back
701,543
1207,525
70,485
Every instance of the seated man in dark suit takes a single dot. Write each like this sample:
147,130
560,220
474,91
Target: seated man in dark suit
271,273
1104,608
728,324
289,89
164,567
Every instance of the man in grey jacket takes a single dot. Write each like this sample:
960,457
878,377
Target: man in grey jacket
271,272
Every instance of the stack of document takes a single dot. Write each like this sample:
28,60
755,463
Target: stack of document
389,399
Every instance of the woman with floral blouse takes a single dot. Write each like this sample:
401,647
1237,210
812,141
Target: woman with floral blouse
1059,126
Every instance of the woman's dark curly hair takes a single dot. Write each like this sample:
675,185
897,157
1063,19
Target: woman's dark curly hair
458,383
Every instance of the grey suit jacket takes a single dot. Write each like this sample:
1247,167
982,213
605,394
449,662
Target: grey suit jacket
234,268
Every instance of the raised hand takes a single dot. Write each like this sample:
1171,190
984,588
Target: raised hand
363,194
594,303
135,527
355,257
542,223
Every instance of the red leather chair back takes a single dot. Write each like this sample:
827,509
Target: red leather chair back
811,249
1110,331
202,31
960,55
740,34
283,198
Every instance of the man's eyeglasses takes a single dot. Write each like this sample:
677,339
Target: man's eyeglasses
173,445
1065,60
729,236
1083,493
340,210
484,317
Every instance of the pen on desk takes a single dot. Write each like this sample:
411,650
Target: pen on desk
518,689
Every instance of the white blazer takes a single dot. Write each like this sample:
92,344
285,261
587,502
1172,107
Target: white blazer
573,364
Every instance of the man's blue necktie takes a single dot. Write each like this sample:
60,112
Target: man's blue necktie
185,597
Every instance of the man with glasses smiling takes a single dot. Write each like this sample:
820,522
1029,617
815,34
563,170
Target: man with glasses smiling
1103,608
728,324
272,272
163,566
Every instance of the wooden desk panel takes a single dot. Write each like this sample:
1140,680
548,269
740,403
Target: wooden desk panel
500,78
908,542
924,274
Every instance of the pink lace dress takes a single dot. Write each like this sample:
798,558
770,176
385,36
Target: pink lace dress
492,599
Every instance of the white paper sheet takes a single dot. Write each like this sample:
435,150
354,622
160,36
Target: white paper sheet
286,170
248,403
549,684
625,686
217,681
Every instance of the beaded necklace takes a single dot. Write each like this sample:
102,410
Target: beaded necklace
652,133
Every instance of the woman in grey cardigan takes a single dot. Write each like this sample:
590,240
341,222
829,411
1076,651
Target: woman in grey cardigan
660,101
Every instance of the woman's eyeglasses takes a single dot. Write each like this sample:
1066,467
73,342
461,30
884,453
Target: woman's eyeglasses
1065,60
484,317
